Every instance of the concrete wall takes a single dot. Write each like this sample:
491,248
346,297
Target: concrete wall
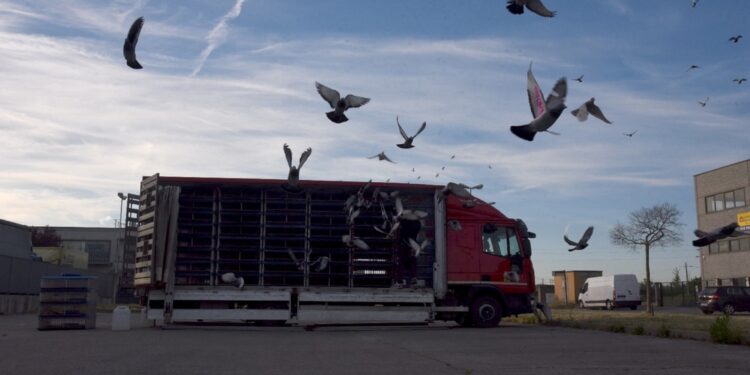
15,240
20,279
722,266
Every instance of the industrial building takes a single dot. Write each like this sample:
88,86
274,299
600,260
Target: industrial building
720,196
569,283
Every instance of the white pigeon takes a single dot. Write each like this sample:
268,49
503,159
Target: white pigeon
536,6
545,112
339,105
582,112
128,49
231,278
381,156
353,241
407,139
417,248
293,178
322,263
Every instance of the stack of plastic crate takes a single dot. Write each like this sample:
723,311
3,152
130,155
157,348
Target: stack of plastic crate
67,302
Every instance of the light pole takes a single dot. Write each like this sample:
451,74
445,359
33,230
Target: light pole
120,263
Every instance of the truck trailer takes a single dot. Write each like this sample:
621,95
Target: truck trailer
427,255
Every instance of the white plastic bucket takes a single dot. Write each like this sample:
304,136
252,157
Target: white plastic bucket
121,318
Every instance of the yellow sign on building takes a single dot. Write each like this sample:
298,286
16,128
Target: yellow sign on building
743,219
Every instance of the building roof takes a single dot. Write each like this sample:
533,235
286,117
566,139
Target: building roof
723,166
12,224
581,271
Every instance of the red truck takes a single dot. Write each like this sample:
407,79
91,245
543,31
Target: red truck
427,255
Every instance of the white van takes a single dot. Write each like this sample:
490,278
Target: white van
610,292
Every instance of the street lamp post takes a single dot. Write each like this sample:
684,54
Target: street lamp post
120,262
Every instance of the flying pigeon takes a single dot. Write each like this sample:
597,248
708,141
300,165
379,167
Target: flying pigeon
583,242
692,67
230,278
381,156
322,263
408,140
536,6
353,241
128,49
417,248
705,239
453,157
739,80
437,175
545,112
735,38
703,104
582,113
339,105
293,179
630,134
695,2
580,79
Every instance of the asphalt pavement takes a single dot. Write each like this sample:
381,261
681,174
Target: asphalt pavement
433,349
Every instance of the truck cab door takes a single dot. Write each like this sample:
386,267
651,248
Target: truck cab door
501,260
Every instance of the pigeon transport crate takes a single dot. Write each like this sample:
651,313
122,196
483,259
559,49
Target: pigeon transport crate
193,230
67,302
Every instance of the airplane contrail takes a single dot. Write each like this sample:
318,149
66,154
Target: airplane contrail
218,35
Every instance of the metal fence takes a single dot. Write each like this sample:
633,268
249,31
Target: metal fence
672,294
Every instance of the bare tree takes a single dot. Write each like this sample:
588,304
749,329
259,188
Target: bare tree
649,227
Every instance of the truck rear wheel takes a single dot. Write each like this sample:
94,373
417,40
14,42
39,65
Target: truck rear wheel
486,312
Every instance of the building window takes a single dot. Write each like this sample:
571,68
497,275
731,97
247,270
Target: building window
713,248
723,246
744,244
726,200
99,251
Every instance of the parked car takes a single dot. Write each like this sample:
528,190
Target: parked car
610,292
727,299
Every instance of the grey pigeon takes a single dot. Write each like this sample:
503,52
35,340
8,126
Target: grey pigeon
536,6
703,104
630,134
293,178
580,79
339,105
582,112
739,80
353,241
453,156
735,38
545,112
707,238
381,156
408,140
693,67
128,49
695,2
583,242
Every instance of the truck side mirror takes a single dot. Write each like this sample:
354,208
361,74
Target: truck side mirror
532,235
527,247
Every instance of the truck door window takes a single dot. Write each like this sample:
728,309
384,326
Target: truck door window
500,241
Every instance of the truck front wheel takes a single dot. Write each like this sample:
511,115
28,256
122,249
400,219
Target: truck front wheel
486,312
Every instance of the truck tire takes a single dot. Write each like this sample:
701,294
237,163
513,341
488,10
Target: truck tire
486,312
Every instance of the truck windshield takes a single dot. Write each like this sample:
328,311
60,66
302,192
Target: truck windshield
500,241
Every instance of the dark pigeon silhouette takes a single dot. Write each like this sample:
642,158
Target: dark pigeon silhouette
128,49
408,140
707,238
583,242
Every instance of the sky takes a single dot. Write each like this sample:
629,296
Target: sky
226,83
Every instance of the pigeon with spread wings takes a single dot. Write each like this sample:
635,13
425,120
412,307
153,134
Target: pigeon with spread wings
582,112
382,156
338,104
545,112
407,139
128,49
583,242
293,178
707,238
536,6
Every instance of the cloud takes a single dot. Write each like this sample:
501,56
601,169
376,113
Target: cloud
217,35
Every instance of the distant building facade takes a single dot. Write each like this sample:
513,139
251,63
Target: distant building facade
15,240
569,283
720,195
